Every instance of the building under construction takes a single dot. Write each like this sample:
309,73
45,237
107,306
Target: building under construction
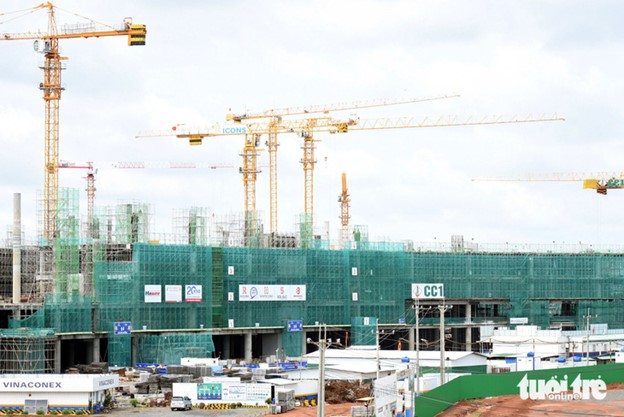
111,290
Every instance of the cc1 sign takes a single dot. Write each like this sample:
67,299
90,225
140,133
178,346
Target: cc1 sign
427,291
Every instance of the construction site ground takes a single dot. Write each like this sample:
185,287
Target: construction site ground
513,405
330,410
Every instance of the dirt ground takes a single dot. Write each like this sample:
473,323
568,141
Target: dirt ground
513,405
330,410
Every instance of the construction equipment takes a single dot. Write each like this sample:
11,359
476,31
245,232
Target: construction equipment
344,201
599,181
90,187
273,119
306,128
47,43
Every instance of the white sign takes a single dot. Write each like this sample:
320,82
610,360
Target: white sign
271,292
173,293
518,320
427,291
57,382
230,296
193,294
354,296
230,270
231,323
153,293
354,271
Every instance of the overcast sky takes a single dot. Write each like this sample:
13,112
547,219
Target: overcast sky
205,57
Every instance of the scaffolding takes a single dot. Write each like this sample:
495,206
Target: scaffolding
191,226
132,222
27,351
163,287
69,313
29,266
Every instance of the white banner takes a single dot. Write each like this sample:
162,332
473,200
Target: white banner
153,293
193,294
173,293
271,292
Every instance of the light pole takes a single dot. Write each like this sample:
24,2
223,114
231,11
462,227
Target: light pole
418,308
588,317
443,308
322,344
377,346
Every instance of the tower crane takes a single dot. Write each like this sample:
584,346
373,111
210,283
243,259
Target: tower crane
90,187
274,117
306,128
344,201
600,181
47,43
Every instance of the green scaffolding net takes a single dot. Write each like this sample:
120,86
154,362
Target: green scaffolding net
184,287
171,348
163,287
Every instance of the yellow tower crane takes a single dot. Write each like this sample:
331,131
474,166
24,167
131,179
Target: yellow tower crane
600,181
306,128
272,119
344,201
47,43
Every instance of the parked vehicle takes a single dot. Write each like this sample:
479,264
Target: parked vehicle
181,403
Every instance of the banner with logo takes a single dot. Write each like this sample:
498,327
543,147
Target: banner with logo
153,293
271,292
173,293
193,294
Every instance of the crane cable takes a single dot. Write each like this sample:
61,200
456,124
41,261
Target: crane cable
23,11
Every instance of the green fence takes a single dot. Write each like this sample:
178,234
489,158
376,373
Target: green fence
492,385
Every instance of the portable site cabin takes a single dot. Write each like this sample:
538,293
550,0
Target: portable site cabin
55,392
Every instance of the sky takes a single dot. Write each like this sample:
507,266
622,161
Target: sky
204,58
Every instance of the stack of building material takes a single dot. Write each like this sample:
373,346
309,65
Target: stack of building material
258,374
360,411
285,398
159,383
93,368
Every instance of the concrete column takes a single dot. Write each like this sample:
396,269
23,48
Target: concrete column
225,354
248,350
468,329
57,356
411,338
17,251
304,334
133,350
96,349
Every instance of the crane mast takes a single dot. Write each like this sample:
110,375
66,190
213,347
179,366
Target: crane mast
344,201
52,89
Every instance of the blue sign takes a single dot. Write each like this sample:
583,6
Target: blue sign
295,325
123,327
